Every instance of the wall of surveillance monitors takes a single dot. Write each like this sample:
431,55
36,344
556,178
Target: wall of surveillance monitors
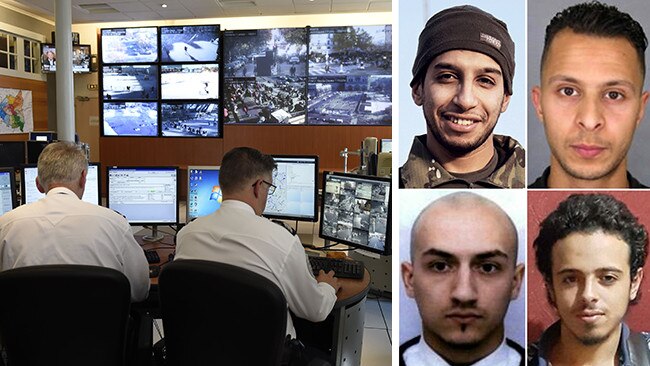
187,81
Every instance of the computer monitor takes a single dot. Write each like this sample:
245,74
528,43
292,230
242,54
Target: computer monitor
7,190
30,193
12,153
34,150
297,189
48,136
386,145
203,191
144,195
356,211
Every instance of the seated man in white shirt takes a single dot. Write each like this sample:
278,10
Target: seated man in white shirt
62,229
463,274
236,234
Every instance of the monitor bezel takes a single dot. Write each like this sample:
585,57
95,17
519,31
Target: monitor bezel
218,34
51,135
90,52
198,167
123,62
316,211
23,198
381,146
12,182
50,46
124,167
23,150
388,236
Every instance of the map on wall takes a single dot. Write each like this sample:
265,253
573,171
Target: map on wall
16,111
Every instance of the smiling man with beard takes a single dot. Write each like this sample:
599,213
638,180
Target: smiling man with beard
591,251
462,79
462,278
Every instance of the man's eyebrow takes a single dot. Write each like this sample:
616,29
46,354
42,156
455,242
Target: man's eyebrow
479,256
602,269
448,66
570,79
438,253
491,254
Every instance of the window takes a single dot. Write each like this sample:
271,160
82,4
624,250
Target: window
20,52
31,53
8,51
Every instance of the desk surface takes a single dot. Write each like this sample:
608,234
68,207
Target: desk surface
351,291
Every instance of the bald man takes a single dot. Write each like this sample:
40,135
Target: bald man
463,274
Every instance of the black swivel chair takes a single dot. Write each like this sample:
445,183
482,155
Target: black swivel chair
64,315
219,314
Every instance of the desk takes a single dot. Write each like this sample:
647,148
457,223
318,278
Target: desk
340,335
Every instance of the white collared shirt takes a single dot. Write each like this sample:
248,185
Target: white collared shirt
421,354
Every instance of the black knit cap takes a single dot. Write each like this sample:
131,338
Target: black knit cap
466,28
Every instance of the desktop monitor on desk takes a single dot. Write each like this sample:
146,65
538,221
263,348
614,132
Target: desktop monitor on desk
356,211
296,194
34,150
7,190
144,195
12,153
203,191
48,136
386,145
30,193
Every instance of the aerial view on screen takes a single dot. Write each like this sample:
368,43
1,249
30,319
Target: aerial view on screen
128,45
130,119
189,81
198,43
130,82
190,119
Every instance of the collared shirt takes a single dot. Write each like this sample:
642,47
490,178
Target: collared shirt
542,182
420,354
538,353
62,229
422,170
234,234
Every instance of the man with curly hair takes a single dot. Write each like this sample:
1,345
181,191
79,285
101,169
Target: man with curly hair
590,252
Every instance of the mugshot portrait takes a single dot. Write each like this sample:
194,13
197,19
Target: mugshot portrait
587,164
540,313
412,202
413,16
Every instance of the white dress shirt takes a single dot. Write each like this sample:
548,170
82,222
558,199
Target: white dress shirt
422,355
235,235
62,229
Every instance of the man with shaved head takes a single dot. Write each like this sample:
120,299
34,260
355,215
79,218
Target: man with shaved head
463,274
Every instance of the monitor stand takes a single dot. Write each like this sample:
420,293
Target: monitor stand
155,235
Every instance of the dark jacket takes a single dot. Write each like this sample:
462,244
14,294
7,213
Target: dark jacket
421,170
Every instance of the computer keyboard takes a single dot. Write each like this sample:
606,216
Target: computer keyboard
152,256
343,268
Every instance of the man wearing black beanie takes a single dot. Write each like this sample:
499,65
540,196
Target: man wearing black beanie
462,79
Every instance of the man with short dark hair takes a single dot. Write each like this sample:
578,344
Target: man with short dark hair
237,234
462,79
590,99
591,251
62,229
463,274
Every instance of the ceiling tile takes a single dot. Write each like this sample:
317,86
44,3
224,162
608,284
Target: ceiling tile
144,15
313,9
276,10
380,6
349,7
129,7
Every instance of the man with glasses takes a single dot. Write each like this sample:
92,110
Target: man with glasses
236,234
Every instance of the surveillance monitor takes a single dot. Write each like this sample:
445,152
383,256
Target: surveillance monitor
356,211
81,58
7,190
132,82
190,43
189,81
129,45
31,194
296,194
203,191
130,119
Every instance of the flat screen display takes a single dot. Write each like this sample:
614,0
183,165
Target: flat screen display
129,45
296,194
203,191
31,194
7,190
190,43
356,211
48,58
130,82
12,153
189,81
190,119
81,58
144,195
130,119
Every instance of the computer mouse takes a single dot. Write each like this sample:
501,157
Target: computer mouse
154,271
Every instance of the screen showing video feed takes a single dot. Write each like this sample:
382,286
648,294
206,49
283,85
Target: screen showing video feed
204,192
48,58
130,82
130,119
129,45
189,81
265,52
81,58
356,211
350,100
192,43
265,100
190,119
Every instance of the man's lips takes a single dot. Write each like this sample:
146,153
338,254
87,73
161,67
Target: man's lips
463,315
590,316
587,151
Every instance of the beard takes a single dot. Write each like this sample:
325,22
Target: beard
458,148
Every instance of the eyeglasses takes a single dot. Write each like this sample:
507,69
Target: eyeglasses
272,187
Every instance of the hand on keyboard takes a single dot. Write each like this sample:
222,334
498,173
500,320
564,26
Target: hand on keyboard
329,279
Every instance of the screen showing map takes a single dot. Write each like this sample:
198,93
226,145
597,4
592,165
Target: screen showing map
295,195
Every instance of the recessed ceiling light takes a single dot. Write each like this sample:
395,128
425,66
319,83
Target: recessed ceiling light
164,5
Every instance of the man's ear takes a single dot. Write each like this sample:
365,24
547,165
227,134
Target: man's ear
39,186
82,179
636,284
416,94
536,96
407,277
505,103
517,280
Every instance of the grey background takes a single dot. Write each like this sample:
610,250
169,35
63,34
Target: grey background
411,202
540,14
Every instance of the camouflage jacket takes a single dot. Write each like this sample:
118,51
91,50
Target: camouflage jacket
421,170
633,348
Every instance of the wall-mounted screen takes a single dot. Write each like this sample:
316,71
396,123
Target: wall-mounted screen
190,119
130,82
48,58
130,119
189,81
350,75
129,45
191,43
81,58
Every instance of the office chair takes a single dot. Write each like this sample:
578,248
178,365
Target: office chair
64,315
218,314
